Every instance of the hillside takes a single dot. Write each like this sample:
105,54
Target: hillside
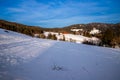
108,34
26,58
88,27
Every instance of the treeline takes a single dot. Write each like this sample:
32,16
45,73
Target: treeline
49,36
90,26
111,37
28,30
58,30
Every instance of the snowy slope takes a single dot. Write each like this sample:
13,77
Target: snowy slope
74,38
27,58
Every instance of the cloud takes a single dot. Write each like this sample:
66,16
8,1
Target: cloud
16,10
111,18
58,13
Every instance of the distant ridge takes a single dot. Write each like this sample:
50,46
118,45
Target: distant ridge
87,27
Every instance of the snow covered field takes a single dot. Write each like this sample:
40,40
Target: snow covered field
74,38
26,58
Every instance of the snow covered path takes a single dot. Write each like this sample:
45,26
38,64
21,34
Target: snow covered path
26,58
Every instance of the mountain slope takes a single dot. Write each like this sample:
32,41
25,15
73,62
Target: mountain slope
26,58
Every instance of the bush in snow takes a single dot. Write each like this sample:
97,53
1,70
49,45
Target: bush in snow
91,42
50,36
57,68
54,37
62,39
42,36
88,42
6,31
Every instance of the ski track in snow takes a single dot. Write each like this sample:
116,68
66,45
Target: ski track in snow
26,58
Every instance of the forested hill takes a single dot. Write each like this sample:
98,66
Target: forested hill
110,33
36,29
29,30
90,26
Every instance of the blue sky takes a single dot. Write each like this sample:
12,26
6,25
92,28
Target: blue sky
60,13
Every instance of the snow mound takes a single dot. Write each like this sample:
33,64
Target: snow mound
26,58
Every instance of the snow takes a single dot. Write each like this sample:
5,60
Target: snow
77,38
74,38
76,30
95,31
26,58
